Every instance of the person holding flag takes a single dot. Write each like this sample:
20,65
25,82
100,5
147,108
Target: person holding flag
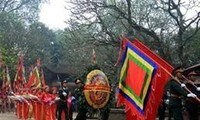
177,93
192,106
82,108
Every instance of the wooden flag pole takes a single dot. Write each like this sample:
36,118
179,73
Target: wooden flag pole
184,87
192,83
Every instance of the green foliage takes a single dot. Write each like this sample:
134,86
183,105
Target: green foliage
11,31
38,44
94,25
20,31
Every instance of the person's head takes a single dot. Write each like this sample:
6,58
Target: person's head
70,93
54,90
64,83
78,82
46,88
177,72
191,76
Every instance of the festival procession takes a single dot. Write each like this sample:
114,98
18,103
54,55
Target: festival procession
35,99
99,60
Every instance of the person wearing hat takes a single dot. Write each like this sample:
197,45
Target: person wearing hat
81,107
63,93
176,93
192,105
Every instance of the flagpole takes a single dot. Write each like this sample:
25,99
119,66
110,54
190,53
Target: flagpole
192,83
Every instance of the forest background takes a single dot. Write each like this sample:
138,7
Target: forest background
170,28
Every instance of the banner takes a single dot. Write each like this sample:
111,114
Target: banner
19,80
34,79
142,80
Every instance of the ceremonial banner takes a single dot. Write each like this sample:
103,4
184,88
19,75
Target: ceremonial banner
6,80
142,79
19,77
34,78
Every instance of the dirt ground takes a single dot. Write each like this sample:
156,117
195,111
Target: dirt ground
8,116
12,116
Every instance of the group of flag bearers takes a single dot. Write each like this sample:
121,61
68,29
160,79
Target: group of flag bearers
180,92
33,98
37,103
183,94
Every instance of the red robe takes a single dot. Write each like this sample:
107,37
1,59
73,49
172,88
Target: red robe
53,107
46,98
18,108
38,113
25,107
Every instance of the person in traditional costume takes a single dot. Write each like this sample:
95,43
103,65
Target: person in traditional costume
53,103
38,113
46,99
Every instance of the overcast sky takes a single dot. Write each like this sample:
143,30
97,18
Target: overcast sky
53,14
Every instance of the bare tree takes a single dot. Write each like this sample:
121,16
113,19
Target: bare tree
27,9
186,15
156,22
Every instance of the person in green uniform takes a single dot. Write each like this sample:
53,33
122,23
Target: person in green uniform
192,105
162,107
177,92
82,109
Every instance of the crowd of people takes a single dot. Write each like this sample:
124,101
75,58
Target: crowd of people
51,103
44,103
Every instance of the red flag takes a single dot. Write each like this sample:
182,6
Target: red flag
7,80
165,66
19,80
142,80
34,79
42,78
